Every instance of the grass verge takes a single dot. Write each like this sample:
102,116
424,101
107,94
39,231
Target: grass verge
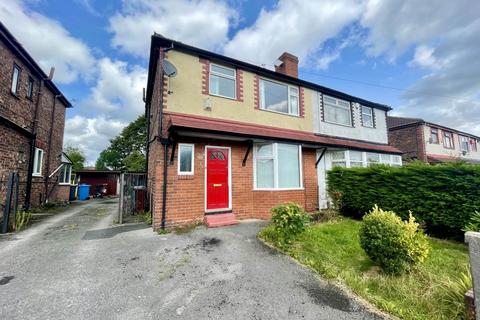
333,250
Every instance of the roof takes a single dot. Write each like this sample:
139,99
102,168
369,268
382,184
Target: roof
66,159
158,41
26,58
402,122
250,131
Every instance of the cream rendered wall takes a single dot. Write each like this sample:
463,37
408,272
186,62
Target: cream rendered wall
378,134
187,98
438,149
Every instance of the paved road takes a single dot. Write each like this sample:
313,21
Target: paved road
78,265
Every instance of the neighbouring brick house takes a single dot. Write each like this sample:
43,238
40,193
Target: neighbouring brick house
430,142
228,139
32,120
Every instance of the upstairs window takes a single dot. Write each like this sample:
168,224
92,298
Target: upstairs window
65,174
38,162
473,143
30,88
185,159
15,79
277,166
434,136
448,140
367,117
222,81
464,144
278,97
337,111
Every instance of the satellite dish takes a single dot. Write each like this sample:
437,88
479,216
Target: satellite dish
169,69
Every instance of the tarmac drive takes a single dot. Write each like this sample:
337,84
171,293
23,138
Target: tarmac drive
79,265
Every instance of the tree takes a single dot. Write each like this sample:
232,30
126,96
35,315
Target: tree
127,150
77,157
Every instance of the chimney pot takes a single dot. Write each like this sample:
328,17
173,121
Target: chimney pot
289,65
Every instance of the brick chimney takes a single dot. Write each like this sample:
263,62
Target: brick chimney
288,65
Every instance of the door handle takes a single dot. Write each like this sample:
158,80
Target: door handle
217,184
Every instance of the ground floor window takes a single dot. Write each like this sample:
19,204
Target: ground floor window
277,166
65,174
185,159
37,162
351,159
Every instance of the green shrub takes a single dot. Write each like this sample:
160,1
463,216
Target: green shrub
444,197
394,244
474,223
289,220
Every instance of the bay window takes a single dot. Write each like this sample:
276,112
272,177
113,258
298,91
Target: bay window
367,117
356,159
373,158
359,159
279,97
337,111
277,166
339,159
222,81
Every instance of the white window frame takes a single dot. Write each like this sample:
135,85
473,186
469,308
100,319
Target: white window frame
366,114
186,173
391,159
222,75
261,93
30,85
66,173
450,138
274,156
35,172
464,139
338,106
15,82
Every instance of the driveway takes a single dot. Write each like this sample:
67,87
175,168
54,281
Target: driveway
78,265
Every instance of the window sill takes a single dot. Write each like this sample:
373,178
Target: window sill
339,124
220,96
36,175
64,184
282,113
279,189
14,94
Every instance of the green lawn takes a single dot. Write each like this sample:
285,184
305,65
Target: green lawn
333,250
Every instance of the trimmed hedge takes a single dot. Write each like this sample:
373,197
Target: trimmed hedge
443,197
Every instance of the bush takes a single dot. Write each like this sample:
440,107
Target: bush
394,244
22,219
289,220
474,223
443,196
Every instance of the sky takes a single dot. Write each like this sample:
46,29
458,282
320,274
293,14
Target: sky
419,57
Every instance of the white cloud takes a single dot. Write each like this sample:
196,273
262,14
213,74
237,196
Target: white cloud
423,57
118,90
91,135
445,38
203,23
48,42
299,27
114,101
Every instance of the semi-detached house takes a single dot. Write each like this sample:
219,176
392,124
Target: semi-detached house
230,138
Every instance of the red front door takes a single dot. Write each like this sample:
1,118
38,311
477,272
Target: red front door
217,179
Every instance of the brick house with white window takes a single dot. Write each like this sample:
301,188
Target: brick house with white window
32,121
229,140
430,142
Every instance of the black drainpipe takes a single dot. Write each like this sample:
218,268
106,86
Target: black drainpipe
28,189
49,154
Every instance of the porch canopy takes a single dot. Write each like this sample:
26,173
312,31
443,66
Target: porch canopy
198,126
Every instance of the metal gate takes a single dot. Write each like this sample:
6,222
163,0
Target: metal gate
133,194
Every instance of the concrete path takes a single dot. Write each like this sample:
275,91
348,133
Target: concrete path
78,265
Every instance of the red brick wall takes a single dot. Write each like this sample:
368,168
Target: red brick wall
21,110
409,140
186,195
